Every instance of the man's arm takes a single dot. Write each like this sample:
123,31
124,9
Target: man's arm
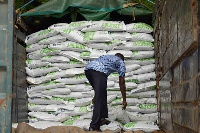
123,91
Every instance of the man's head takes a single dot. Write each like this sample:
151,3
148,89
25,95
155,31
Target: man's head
120,56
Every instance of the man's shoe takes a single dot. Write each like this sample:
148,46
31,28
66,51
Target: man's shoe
104,122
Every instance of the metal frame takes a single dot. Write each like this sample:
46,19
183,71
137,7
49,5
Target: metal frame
6,51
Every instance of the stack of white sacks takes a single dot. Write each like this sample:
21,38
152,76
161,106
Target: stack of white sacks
60,94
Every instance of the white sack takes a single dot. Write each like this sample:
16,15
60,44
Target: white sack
72,35
142,37
145,87
148,127
79,25
36,55
35,37
44,116
34,47
142,54
121,115
143,108
139,27
106,26
144,69
36,63
97,36
41,87
106,45
68,46
141,62
146,94
121,35
40,71
55,58
59,26
54,39
138,45
135,116
57,91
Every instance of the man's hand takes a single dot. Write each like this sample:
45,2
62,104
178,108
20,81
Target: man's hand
124,104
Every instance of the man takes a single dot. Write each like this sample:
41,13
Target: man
97,72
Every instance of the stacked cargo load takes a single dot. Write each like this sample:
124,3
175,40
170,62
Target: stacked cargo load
59,92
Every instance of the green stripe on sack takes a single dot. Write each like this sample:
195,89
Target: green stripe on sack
143,43
130,125
45,32
29,61
75,45
142,26
50,83
89,36
76,24
132,80
85,53
111,25
147,106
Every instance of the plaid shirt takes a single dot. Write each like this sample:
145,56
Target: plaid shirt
108,64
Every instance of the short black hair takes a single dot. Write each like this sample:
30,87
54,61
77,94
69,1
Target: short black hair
120,56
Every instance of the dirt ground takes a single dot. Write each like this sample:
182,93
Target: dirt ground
25,128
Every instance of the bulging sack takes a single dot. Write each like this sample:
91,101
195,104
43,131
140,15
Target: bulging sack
137,45
67,46
141,62
44,116
133,67
92,54
79,25
142,54
139,27
37,55
143,108
48,85
142,37
78,79
72,35
55,58
79,88
105,26
135,116
151,85
144,69
143,77
36,63
34,47
124,36
148,127
106,45
121,115
146,94
57,91
72,55
59,26
35,37
54,39
42,71
73,63
97,36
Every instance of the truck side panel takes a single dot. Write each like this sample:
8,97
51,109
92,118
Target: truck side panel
6,50
177,63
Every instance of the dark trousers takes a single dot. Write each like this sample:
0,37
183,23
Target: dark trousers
98,81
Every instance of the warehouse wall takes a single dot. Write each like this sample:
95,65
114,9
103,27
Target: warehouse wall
176,33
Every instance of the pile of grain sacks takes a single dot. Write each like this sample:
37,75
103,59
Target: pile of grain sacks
59,93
